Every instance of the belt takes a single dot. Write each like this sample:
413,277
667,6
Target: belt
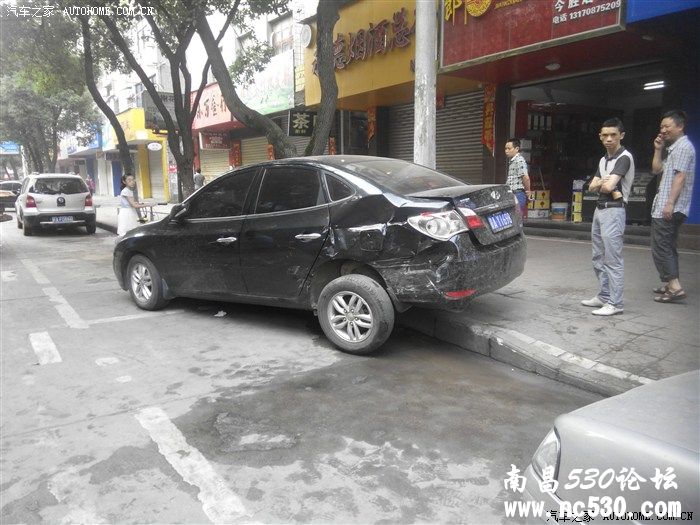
610,204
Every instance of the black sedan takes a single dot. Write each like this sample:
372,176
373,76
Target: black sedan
352,238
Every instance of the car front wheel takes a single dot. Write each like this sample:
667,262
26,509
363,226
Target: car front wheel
356,314
145,285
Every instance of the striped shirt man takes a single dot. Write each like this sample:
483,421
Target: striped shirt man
680,159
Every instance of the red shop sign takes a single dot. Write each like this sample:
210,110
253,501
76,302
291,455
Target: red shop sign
481,30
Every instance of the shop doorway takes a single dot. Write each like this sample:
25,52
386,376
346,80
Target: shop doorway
561,119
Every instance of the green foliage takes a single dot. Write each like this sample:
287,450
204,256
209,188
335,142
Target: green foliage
253,59
42,90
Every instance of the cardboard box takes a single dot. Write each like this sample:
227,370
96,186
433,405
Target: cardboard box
538,205
576,207
577,217
577,196
541,195
538,214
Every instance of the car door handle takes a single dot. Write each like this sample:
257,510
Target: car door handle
226,240
307,236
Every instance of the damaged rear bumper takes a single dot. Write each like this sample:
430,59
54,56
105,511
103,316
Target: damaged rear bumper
458,272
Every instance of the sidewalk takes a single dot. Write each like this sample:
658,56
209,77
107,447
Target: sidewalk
536,323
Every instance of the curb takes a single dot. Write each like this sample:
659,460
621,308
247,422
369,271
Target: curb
106,226
521,351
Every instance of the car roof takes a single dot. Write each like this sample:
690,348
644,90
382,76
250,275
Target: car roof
56,175
665,410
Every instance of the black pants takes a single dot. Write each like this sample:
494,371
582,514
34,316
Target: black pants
664,241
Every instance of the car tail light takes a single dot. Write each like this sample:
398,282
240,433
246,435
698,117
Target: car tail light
31,203
460,294
439,225
88,200
473,220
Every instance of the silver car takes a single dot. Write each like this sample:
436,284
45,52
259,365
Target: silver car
633,457
50,200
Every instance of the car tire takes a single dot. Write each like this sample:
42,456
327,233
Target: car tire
26,229
19,223
91,227
371,314
145,284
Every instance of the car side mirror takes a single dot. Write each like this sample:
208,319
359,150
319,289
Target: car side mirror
178,213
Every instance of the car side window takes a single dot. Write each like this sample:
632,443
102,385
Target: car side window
337,189
291,188
224,197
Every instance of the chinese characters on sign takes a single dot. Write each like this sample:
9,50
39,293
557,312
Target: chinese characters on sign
235,156
488,133
214,141
301,123
471,7
376,40
575,9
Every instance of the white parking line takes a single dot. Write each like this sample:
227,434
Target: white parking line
39,277
132,317
65,310
219,503
44,348
8,276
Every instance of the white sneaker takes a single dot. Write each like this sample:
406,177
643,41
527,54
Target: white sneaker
595,302
607,309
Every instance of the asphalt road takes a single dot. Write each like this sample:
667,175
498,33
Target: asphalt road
209,412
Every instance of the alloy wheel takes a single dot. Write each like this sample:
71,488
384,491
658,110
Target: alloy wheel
350,316
141,282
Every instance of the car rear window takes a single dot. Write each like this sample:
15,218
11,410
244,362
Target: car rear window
56,186
401,177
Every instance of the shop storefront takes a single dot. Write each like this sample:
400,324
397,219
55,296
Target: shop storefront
373,53
564,68
149,154
221,141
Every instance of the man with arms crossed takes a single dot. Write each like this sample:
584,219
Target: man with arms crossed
672,202
613,182
518,180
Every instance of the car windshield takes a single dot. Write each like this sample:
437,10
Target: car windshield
401,177
58,185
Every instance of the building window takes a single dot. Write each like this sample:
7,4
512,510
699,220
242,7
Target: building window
281,34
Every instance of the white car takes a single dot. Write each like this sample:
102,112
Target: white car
634,457
50,200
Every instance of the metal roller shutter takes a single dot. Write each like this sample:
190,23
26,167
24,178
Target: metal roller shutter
253,150
459,125
155,172
214,163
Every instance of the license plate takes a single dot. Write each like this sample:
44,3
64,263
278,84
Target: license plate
500,221
62,219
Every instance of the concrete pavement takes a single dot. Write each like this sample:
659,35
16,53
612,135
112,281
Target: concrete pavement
536,323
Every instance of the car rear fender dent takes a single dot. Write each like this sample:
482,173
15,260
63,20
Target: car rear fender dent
331,270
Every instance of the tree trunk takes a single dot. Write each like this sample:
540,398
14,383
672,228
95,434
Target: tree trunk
122,146
327,15
251,118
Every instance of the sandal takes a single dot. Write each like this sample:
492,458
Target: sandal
670,297
661,289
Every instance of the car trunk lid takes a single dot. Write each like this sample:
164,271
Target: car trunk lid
493,204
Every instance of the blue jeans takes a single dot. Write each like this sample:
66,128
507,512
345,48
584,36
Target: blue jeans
607,236
522,201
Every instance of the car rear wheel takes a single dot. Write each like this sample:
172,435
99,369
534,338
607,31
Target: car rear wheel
145,285
26,229
356,314
91,227
19,223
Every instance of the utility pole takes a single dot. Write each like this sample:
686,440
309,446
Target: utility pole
426,70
